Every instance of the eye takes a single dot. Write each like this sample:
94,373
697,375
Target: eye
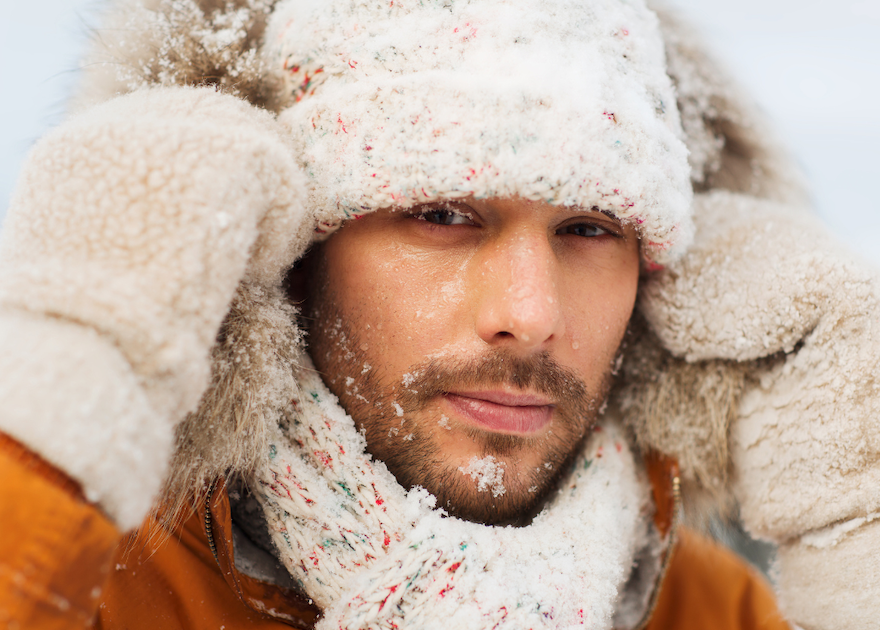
587,230
443,216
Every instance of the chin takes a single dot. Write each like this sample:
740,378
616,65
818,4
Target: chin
506,486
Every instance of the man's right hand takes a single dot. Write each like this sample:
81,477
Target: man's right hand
129,232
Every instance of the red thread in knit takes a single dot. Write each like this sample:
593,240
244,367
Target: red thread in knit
325,458
390,592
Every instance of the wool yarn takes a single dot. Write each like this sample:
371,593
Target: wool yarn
563,101
373,555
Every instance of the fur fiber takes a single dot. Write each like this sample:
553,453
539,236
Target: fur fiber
249,387
674,406
160,43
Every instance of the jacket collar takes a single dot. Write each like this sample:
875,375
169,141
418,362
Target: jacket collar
279,601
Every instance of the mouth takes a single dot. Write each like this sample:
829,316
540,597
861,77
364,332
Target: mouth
502,412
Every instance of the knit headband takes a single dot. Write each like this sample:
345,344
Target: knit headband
399,102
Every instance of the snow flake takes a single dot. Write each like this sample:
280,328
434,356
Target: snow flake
488,473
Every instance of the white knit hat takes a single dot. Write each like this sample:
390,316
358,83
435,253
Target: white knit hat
406,101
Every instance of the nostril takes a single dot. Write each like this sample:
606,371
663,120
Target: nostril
504,333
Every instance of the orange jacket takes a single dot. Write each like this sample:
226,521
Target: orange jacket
64,565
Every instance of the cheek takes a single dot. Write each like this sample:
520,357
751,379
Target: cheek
403,303
597,314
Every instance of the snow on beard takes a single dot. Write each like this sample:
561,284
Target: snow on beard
399,417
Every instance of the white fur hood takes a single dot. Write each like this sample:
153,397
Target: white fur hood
750,359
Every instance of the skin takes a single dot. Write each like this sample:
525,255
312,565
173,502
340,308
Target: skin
473,341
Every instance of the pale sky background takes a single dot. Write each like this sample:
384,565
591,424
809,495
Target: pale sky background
812,65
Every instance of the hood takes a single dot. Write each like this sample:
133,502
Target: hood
679,386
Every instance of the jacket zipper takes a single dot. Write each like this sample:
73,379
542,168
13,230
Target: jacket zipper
209,523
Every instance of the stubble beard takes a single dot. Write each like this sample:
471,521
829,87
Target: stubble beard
519,490
397,419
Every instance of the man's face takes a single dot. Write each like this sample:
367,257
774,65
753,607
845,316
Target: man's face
473,342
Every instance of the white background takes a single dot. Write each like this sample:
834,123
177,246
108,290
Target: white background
813,65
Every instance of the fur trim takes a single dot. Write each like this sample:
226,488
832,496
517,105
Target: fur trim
684,409
728,150
253,367
680,389
754,364
680,405
162,43
730,145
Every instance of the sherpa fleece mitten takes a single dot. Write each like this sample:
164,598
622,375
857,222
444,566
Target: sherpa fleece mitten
765,282
130,230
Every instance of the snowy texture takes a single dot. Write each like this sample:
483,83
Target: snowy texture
488,473
374,556
805,435
766,295
755,368
408,102
151,43
685,408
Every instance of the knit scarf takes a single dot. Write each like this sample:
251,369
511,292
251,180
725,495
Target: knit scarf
374,555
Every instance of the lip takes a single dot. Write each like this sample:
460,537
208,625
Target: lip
502,412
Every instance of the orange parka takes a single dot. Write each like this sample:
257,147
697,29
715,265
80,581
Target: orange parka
64,565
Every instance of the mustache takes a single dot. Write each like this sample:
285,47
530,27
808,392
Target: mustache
538,373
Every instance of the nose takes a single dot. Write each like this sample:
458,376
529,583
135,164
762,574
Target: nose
519,307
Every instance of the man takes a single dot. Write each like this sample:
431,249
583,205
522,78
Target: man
477,428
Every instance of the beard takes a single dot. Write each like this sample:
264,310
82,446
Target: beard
497,468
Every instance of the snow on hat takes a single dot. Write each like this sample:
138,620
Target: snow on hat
399,102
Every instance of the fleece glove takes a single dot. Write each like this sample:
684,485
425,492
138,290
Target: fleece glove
130,230
766,283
